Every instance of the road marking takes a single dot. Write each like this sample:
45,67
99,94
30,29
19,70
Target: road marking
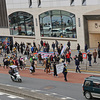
37,90
47,94
14,97
63,98
68,98
33,91
1,93
54,93
10,96
21,87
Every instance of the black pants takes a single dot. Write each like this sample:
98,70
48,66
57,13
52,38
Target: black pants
65,76
77,68
55,73
95,60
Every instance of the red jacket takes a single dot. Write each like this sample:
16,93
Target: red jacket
67,55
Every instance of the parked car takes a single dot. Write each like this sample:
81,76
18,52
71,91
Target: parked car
91,87
47,27
58,32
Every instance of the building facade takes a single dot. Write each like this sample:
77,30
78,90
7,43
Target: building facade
50,20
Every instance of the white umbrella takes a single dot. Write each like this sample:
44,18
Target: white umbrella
13,66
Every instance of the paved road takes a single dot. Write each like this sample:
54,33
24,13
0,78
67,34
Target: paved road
7,96
63,90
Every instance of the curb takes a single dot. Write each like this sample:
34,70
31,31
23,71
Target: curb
85,71
26,93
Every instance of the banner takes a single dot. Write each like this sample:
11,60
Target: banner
45,54
59,68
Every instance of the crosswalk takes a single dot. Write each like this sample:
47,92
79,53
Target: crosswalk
9,96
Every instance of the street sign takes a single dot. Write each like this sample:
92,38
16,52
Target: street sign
84,55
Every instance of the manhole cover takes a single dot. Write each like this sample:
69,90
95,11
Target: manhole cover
49,87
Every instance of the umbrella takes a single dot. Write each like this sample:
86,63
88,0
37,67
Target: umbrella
13,66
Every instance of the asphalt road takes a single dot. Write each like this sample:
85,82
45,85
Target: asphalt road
7,96
63,90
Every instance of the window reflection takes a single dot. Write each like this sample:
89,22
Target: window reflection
21,23
57,23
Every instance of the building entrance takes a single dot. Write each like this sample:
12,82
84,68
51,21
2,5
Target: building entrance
92,30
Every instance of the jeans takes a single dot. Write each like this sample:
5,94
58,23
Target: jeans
89,63
77,68
53,49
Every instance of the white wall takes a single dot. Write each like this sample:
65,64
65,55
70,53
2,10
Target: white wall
11,4
55,3
17,4
92,2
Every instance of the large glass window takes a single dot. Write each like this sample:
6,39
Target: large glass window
21,23
57,23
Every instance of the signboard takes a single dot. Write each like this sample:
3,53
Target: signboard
84,55
59,68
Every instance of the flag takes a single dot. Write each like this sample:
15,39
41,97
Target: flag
64,47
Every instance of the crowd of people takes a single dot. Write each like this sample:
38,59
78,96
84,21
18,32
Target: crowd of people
48,62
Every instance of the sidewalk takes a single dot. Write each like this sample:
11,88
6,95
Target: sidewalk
95,68
40,74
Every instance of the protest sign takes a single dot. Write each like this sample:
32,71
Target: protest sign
59,68
84,55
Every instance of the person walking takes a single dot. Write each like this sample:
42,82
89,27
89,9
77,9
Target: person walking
53,46
77,64
65,72
56,42
67,57
80,58
95,55
78,48
59,50
32,49
55,70
86,48
68,44
41,42
89,58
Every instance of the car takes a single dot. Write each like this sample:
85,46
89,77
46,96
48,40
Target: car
47,27
29,33
91,87
55,32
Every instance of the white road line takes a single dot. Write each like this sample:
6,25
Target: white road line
68,98
33,91
63,98
1,93
10,96
21,87
14,97
47,94
37,90
54,93
8,85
